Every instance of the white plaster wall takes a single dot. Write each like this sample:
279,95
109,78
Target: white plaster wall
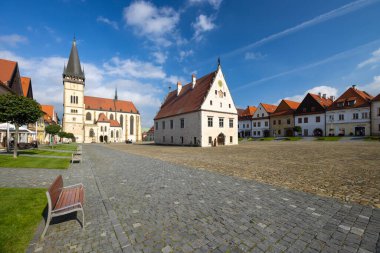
69,124
375,117
348,123
312,123
262,128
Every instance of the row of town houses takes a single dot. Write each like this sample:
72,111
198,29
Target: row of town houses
354,113
12,82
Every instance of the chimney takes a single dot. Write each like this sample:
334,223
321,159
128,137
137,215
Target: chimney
179,87
194,80
324,96
332,98
319,94
353,86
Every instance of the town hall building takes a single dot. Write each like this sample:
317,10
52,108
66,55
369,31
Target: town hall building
200,113
94,119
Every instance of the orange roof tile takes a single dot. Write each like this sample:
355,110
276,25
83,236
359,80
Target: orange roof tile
103,118
362,99
188,100
285,107
7,68
246,113
269,108
325,102
292,104
114,123
49,113
377,98
107,104
26,85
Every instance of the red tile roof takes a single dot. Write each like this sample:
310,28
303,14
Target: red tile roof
269,108
26,84
188,100
114,123
286,107
107,104
7,68
362,99
103,118
49,113
325,102
246,113
377,98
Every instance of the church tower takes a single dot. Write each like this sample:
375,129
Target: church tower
73,96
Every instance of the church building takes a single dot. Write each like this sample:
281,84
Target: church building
94,119
200,113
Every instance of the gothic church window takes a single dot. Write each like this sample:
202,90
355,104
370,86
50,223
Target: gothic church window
121,121
88,116
131,130
92,133
111,117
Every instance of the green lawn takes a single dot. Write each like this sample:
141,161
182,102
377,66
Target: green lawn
328,138
44,152
295,138
240,139
20,213
266,139
372,138
71,147
7,161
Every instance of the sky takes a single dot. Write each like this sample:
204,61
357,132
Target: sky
269,50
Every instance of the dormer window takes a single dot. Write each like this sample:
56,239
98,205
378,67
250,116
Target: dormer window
340,104
351,102
304,109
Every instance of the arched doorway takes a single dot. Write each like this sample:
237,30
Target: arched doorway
266,133
101,138
318,132
221,139
105,138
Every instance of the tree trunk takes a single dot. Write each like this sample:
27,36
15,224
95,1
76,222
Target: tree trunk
15,141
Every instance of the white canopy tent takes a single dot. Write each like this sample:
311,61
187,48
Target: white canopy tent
23,132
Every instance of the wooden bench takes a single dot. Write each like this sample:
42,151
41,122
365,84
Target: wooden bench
63,200
76,157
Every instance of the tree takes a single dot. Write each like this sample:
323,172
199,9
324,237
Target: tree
52,130
18,110
297,129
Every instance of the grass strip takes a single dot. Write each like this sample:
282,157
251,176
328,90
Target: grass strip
20,213
7,161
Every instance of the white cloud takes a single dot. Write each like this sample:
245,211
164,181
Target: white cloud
253,56
155,23
328,90
13,39
106,21
372,61
213,3
53,34
372,88
132,68
160,57
201,25
183,54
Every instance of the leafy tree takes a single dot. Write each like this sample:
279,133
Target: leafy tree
70,136
52,130
297,129
18,110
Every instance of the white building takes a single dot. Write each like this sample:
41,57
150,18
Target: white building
375,117
93,119
245,121
260,120
200,113
311,113
350,114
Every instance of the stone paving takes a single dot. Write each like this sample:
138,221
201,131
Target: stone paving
138,204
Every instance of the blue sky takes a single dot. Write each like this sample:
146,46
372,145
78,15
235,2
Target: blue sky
269,49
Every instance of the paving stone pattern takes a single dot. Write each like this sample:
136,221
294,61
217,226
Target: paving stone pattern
138,204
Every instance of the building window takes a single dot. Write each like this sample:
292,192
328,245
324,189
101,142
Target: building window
221,105
111,117
279,122
258,115
171,139
163,138
258,124
117,134
131,120
163,124
195,140
379,127
231,139
351,102
209,121
112,134
355,116
210,102
229,105
254,124
254,132
364,115
231,123
299,120
279,131
305,120
209,140
181,139
266,123
101,128
341,116
171,124
288,121
105,128
121,120
340,104
243,126
221,122
182,123
331,117
216,92
224,93
258,133
156,125
92,133
318,119
378,111
74,119
274,122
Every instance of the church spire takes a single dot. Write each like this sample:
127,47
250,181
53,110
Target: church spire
73,68
116,93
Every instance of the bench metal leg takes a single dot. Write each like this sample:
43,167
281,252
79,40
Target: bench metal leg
83,219
46,226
